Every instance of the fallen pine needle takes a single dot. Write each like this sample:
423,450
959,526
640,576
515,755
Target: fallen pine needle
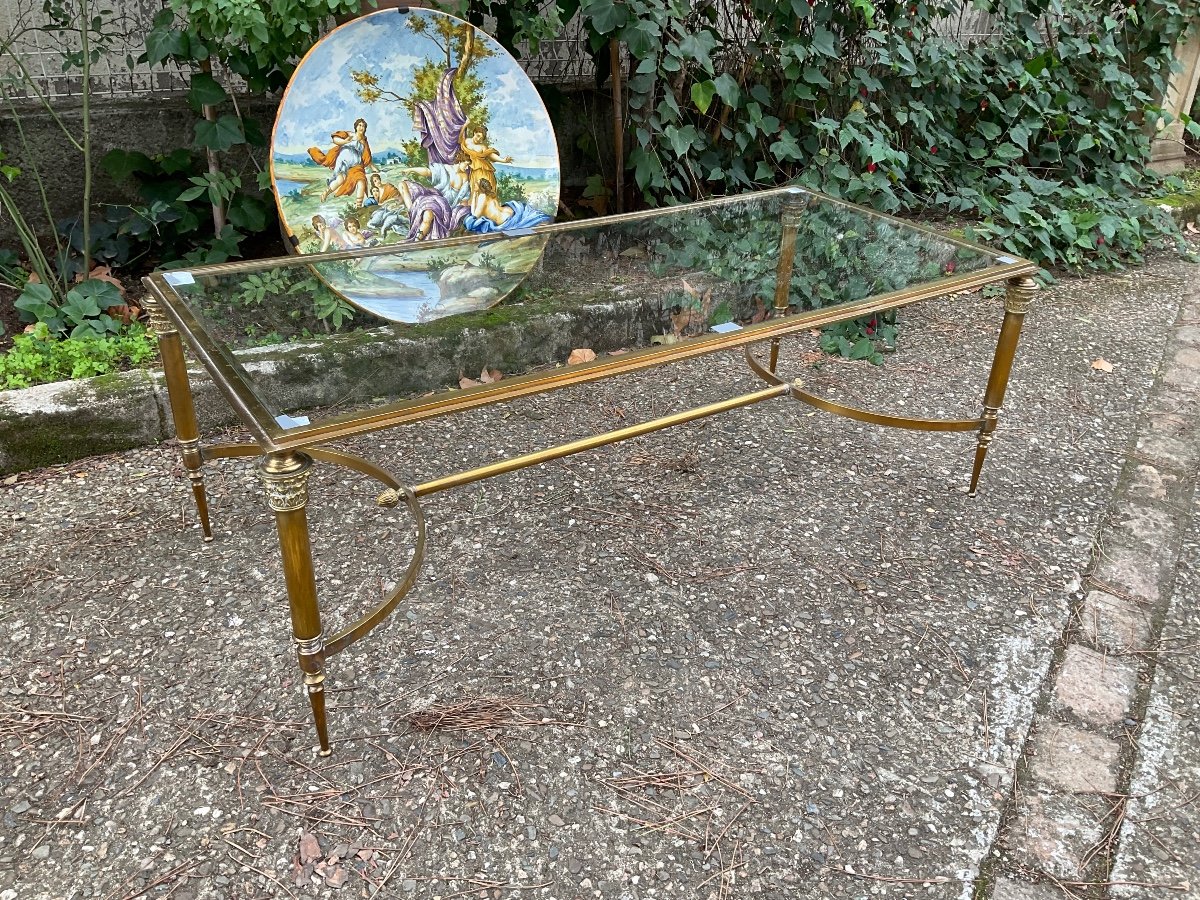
934,879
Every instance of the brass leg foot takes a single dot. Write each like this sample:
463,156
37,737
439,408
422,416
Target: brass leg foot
981,449
194,461
1016,302
202,505
285,476
316,698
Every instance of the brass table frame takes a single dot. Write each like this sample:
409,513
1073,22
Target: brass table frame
287,455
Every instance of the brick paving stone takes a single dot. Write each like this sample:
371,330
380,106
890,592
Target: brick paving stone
1007,889
1188,334
1160,836
1167,450
1148,482
1113,623
1183,369
1099,689
1132,570
1053,832
1152,526
1071,759
1180,403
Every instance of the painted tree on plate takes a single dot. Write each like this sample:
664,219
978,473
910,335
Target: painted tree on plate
456,42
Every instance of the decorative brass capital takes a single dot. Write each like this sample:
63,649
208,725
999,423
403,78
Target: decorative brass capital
190,450
1020,294
285,477
159,323
313,646
793,210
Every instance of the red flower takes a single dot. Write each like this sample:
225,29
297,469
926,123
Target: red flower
863,90
871,167
983,104
1100,241
950,267
933,149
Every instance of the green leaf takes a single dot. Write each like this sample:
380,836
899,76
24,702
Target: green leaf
813,75
989,130
38,301
605,15
1007,152
124,164
177,161
697,47
191,194
786,147
164,42
702,94
824,42
727,89
863,348
205,91
1019,135
94,293
247,212
1087,142
222,134
79,309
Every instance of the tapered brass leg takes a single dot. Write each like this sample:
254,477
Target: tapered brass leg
183,410
285,476
793,208
1016,303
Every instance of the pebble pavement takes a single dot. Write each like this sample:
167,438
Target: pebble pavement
770,654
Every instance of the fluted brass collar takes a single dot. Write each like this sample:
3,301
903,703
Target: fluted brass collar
1020,294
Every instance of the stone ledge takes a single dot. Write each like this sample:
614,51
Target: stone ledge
62,422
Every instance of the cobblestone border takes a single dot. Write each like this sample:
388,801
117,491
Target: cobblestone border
1061,830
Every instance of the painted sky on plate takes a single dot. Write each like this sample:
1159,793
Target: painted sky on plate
321,98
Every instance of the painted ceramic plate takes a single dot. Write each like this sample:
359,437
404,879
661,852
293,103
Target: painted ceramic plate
402,127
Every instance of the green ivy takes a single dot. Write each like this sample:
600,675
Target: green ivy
38,357
1032,135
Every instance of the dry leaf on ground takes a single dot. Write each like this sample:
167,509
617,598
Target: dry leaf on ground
487,376
104,273
1100,364
465,382
580,355
310,848
337,877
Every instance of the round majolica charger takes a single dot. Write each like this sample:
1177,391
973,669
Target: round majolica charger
412,126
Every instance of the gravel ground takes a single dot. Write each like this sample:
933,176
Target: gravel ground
773,653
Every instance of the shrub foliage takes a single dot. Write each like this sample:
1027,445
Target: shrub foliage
1037,134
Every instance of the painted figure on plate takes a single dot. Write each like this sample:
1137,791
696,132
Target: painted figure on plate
349,158
459,144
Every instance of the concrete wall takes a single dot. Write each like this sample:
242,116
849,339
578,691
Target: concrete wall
34,139
162,123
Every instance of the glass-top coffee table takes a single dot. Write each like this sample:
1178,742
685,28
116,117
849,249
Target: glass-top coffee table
739,272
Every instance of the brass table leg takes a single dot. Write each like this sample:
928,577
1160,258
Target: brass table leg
285,476
183,410
789,217
1016,303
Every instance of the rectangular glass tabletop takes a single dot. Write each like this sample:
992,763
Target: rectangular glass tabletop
393,329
